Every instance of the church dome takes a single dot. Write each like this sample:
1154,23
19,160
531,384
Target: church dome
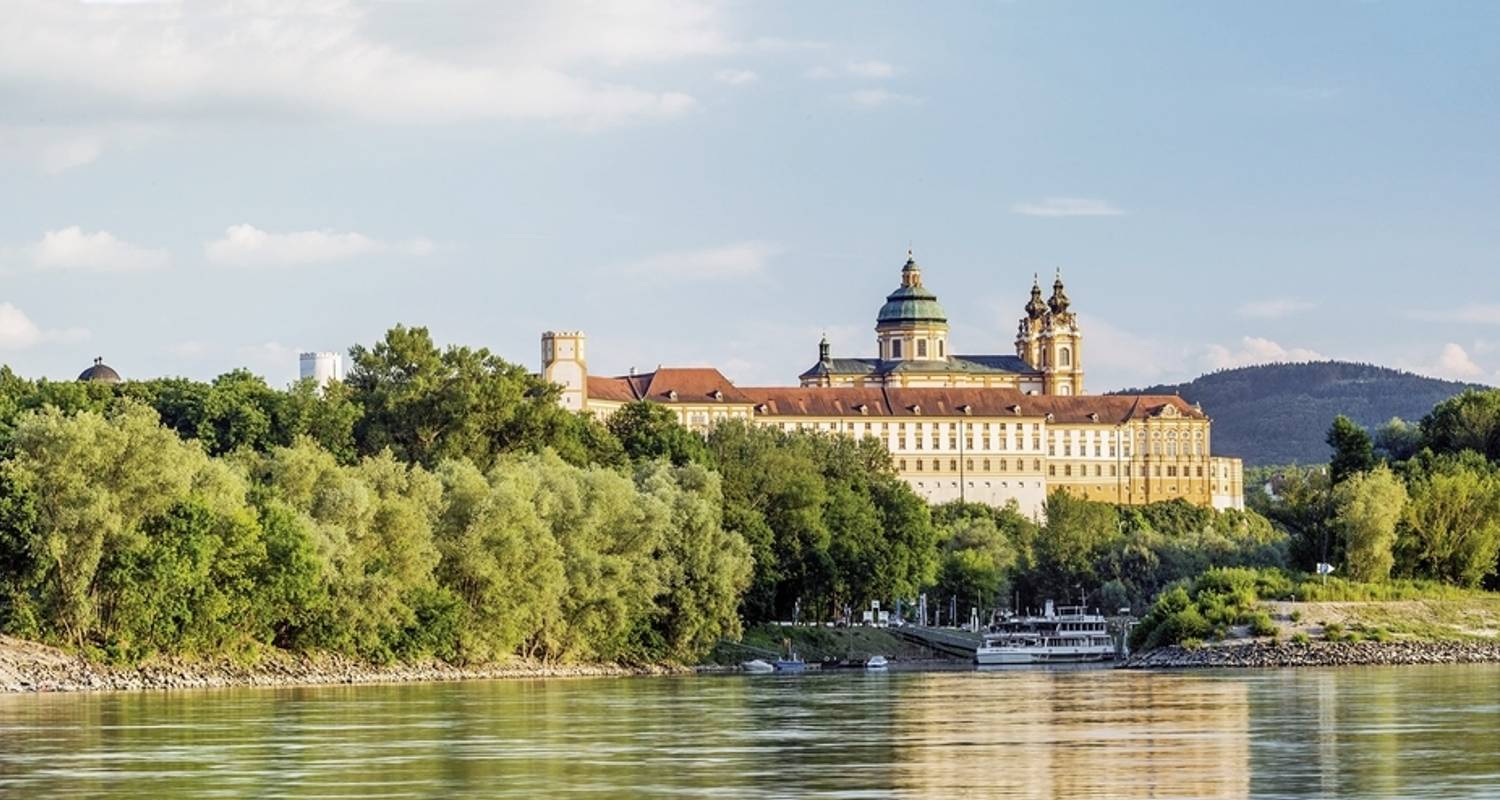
912,302
100,373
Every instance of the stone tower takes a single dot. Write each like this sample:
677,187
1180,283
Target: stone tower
565,363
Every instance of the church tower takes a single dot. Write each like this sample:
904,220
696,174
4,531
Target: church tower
1048,338
911,326
565,364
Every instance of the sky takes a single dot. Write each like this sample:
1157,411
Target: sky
186,188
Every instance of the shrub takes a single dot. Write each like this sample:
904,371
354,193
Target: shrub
1300,637
1261,624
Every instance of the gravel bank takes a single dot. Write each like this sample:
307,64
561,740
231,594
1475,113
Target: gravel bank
31,667
1315,654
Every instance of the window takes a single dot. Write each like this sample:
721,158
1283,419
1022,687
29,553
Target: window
900,442
941,353
1068,470
986,465
1064,357
901,465
919,465
1036,465
936,465
1112,472
895,348
921,348
953,443
1052,469
1098,471
953,465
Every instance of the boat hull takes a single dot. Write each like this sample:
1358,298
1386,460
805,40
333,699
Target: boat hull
990,656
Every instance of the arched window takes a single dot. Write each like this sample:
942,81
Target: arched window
1065,357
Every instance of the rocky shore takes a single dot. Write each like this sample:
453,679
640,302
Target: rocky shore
30,667
1315,654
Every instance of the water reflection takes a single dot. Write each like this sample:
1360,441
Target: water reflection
1412,732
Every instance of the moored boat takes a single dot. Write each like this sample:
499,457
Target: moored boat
1068,634
877,662
757,665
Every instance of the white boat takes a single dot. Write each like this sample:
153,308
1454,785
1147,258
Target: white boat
793,664
877,662
1059,635
756,665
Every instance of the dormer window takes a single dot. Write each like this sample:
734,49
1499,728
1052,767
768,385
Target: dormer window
966,409
761,409
862,408
1094,416
1016,409
672,395
1049,417
916,410
718,395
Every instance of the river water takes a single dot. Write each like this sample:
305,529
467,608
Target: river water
1407,732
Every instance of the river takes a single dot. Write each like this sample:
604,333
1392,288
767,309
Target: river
1405,732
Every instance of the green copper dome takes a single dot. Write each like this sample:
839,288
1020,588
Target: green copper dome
911,302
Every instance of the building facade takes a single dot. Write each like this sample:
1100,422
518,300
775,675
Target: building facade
986,428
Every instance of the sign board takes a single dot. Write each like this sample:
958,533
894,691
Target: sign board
1324,569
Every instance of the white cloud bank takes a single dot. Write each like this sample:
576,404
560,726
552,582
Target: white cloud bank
18,332
93,66
1256,350
1471,314
728,262
247,245
1067,207
73,249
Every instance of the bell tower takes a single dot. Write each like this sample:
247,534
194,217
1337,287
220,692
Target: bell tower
565,363
1061,343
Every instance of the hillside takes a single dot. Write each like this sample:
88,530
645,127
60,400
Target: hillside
1279,413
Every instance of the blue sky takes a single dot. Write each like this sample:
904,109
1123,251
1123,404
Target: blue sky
186,188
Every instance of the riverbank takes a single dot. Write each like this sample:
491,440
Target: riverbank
30,667
1269,654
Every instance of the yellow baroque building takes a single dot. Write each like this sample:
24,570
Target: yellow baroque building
981,428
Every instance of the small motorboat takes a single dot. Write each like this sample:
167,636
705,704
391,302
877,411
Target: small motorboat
877,662
792,664
756,665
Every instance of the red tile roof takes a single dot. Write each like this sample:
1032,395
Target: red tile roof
699,384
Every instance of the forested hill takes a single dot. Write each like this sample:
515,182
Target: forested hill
1280,413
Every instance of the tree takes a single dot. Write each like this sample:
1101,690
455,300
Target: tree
1468,421
648,431
1066,550
427,404
1352,449
1397,440
1367,507
976,561
1450,530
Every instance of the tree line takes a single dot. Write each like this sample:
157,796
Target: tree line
1412,501
440,503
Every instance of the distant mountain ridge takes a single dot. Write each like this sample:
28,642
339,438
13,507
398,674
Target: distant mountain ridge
1280,413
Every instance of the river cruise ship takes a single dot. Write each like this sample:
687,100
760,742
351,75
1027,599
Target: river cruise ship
1059,635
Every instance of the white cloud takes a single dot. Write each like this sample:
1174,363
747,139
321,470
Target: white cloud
738,260
870,69
1453,362
736,77
1067,207
72,249
18,332
1472,314
1255,350
1275,308
338,58
59,148
1119,358
867,68
247,245
874,98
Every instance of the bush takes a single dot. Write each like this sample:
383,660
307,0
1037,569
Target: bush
1261,624
1300,637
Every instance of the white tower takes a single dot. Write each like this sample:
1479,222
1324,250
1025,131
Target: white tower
565,363
323,368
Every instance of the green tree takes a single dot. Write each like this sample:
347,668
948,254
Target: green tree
1352,450
1397,440
1468,421
1450,530
648,431
1367,507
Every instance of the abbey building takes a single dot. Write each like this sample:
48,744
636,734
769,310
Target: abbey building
982,428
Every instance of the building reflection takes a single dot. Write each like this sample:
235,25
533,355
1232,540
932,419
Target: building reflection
1072,734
